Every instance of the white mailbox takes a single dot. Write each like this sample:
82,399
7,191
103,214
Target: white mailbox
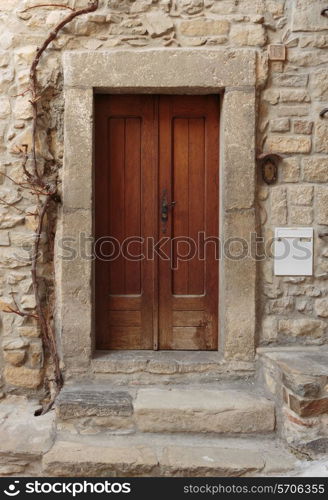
293,251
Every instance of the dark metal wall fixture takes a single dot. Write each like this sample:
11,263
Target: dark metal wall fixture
268,163
324,12
323,113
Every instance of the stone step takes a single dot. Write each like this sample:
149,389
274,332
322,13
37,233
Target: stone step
97,409
91,410
203,410
167,367
162,455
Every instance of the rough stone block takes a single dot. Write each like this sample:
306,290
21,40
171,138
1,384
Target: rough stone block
21,376
314,41
191,461
292,110
302,327
223,7
321,194
315,169
93,403
290,80
303,127
157,23
10,343
321,138
304,370
308,408
15,357
290,170
190,6
307,58
301,195
202,27
32,331
269,330
69,459
204,410
5,107
253,35
321,308
303,385
319,83
300,215
307,16
280,125
279,205
271,96
280,306
286,144
293,95
4,238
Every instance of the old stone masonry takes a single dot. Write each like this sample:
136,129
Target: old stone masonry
259,404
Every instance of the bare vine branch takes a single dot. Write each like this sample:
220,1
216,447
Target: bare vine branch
18,311
12,205
46,193
33,71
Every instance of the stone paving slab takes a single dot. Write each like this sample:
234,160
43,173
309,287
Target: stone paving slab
24,438
77,459
167,455
203,410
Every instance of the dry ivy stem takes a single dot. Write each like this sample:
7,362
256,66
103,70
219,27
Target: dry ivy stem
44,189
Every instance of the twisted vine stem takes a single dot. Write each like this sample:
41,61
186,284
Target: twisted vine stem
46,193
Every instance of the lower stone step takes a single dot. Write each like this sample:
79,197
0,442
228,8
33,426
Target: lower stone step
203,410
157,455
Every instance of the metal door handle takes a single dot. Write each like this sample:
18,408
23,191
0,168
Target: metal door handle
165,206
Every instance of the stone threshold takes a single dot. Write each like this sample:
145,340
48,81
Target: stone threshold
167,363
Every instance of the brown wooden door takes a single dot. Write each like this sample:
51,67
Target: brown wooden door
156,222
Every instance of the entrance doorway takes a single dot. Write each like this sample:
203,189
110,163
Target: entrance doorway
156,222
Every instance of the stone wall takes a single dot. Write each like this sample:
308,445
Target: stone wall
295,309
291,95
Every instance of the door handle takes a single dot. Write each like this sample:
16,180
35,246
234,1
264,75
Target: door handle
165,206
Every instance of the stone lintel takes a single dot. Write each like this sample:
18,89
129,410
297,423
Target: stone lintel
171,69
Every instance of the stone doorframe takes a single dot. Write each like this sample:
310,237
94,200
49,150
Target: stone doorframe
231,73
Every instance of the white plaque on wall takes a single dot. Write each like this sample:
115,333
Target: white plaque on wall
293,251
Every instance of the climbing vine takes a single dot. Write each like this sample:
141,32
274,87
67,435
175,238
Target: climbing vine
43,185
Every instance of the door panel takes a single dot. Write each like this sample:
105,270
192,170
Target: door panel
188,166
125,196
152,150
188,215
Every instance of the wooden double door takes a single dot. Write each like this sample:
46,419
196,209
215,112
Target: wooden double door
156,222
